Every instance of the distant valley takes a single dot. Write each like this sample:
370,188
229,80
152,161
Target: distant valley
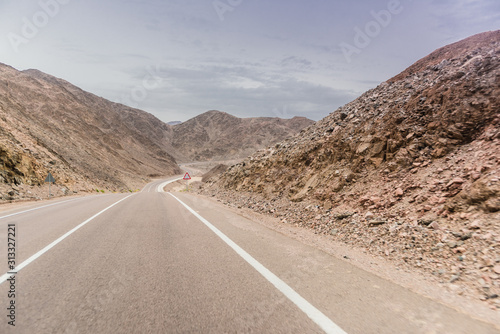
216,135
89,143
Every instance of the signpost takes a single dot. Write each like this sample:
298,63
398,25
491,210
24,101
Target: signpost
50,179
187,178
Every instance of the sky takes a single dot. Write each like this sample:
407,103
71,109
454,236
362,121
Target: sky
251,58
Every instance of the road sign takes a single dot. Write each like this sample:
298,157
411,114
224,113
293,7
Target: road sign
50,178
187,178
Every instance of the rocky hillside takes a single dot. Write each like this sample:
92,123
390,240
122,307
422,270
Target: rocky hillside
86,142
216,135
409,170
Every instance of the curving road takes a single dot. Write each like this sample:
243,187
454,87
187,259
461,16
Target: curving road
156,262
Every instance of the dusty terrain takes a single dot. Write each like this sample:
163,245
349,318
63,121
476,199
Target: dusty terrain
408,171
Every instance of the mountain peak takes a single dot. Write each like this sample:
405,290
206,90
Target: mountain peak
452,51
219,135
215,113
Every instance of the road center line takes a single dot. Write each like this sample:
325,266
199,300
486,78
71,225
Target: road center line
5,276
313,313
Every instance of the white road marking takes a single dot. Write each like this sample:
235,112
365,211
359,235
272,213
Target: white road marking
162,185
5,276
146,186
313,313
41,207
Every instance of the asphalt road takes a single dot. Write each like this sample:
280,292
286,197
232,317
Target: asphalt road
147,263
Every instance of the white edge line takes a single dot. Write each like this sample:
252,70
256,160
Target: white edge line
162,185
41,207
5,276
313,313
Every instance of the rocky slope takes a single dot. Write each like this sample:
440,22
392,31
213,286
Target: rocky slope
216,135
408,171
86,142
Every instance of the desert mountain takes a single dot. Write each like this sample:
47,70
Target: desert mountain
47,124
409,170
87,142
216,135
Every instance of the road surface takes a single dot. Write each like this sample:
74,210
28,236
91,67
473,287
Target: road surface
156,262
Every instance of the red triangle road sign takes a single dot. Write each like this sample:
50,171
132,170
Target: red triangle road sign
186,177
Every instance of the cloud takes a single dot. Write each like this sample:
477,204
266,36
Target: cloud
245,91
458,16
296,62
265,58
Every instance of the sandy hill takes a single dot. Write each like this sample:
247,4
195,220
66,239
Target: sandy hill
409,170
47,124
216,135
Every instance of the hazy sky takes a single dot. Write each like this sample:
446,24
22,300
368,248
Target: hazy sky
179,58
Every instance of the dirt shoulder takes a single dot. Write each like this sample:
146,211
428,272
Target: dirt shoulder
419,281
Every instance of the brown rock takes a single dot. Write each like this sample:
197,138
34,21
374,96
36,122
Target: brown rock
439,152
475,176
455,181
434,225
433,200
432,125
377,222
487,236
492,205
377,161
399,192
487,262
475,225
